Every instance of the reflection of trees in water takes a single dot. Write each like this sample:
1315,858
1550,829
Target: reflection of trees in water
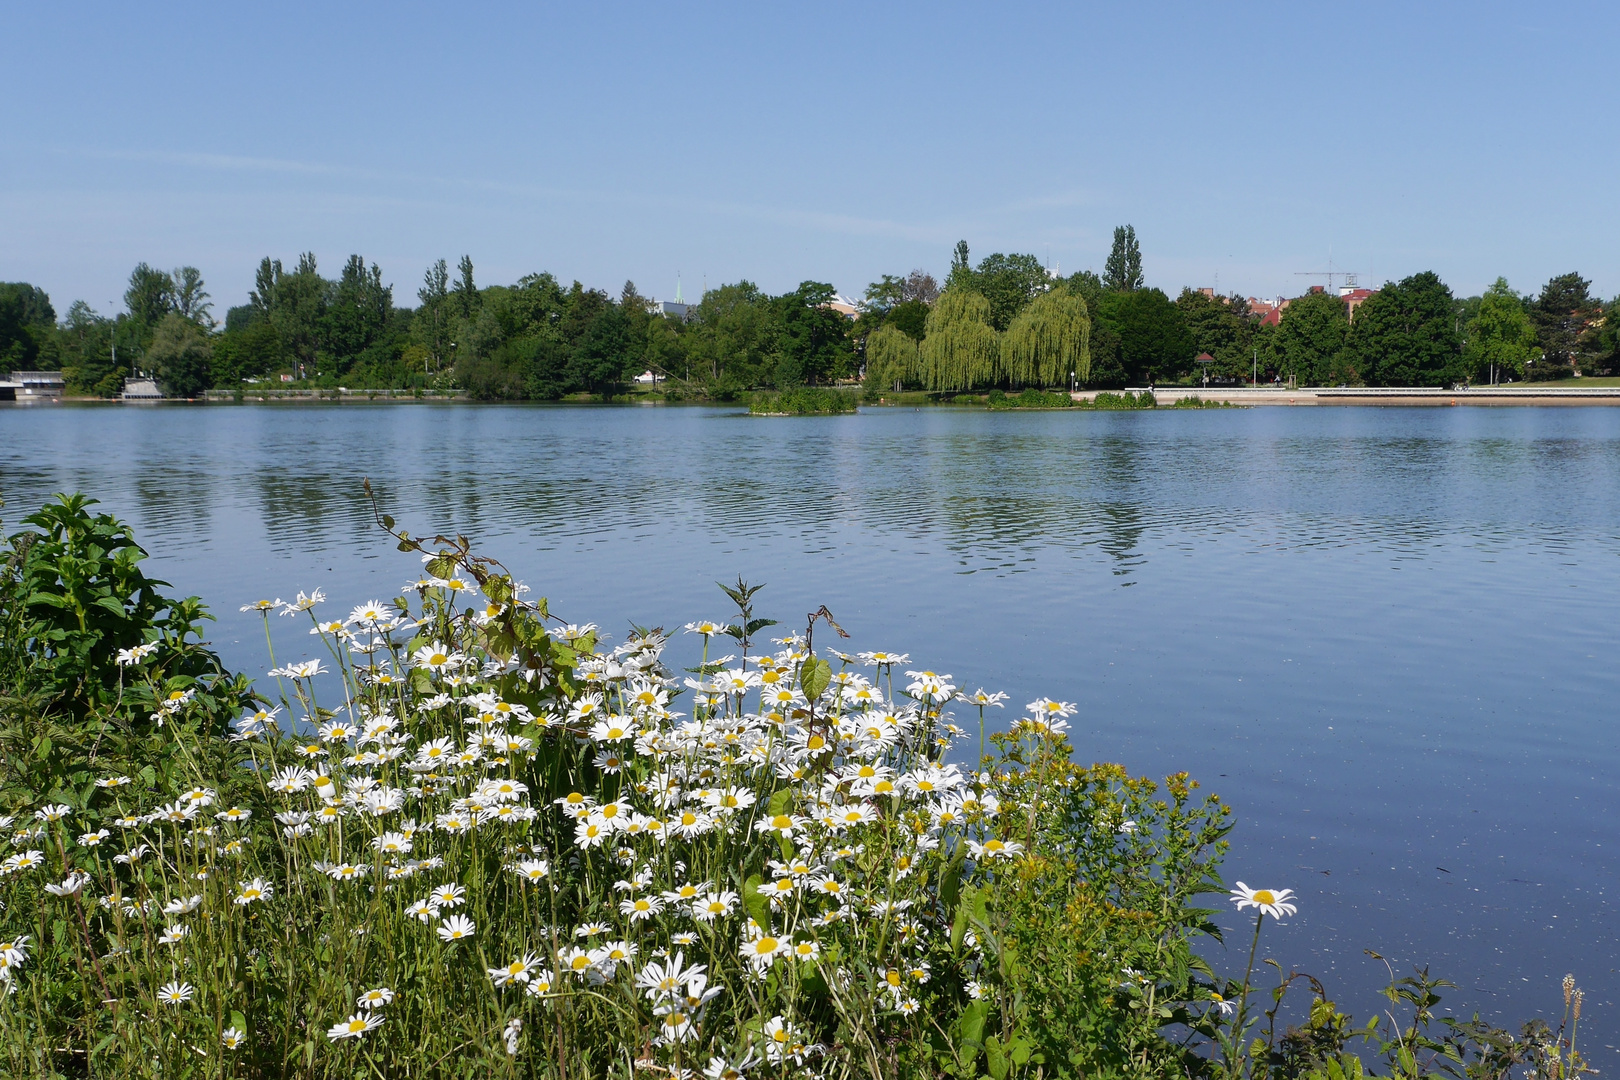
178,502
310,510
994,493
996,500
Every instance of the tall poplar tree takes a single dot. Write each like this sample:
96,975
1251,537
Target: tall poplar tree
1123,270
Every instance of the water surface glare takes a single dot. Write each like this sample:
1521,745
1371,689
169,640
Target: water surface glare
1385,636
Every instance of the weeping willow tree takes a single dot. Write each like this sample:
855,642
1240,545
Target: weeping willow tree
960,349
1047,340
891,359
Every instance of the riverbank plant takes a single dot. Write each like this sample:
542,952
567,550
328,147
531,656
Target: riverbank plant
468,839
1030,399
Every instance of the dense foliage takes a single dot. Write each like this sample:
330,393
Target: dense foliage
1007,321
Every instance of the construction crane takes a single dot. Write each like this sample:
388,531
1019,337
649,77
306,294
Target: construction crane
1349,276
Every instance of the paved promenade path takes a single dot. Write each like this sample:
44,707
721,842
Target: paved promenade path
1490,395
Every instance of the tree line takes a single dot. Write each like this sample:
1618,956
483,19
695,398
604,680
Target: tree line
1006,321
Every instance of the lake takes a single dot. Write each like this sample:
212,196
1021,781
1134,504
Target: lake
1386,637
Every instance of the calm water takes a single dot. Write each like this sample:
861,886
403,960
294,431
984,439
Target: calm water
1387,637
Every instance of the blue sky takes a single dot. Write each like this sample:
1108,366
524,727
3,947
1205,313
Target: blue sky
829,142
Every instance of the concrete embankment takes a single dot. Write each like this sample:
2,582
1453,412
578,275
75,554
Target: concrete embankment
1497,395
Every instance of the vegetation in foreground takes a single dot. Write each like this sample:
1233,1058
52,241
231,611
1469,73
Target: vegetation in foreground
472,840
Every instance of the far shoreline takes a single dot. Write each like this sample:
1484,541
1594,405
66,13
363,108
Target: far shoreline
1389,397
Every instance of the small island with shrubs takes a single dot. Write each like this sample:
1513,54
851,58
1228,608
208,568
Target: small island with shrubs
803,401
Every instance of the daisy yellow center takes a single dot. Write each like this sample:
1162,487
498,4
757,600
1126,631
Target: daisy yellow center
1264,896
765,946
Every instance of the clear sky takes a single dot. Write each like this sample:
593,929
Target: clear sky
775,142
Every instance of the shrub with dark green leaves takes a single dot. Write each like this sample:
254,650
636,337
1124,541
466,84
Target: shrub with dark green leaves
94,659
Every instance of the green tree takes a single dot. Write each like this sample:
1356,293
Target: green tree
150,295
812,340
86,339
1565,316
1311,343
1406,334
432,323
892,359
1123,270
246,352
466,292
262,298
1010,283
1221,326
961,349
179,356
299,315
1501,337
666,346
896,301
731,334
27,323
602,353
1153,340
191,299
360,312
1608,338
1047,341
961,275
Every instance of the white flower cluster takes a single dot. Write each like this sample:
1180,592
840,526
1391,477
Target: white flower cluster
792,828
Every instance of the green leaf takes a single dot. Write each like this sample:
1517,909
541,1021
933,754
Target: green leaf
754,901
970,1032
388,523
950,883
995,1058
814,676
960,921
